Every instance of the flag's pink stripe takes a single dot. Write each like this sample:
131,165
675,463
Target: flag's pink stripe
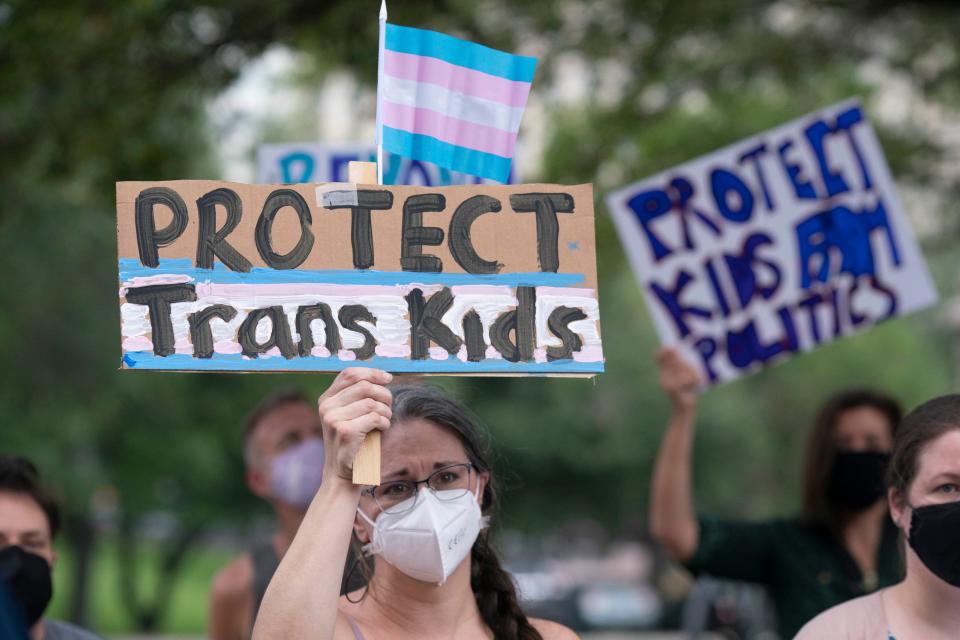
454,78
452,130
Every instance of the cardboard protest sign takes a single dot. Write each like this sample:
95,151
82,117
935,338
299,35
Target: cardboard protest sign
222,276
309,162
777,244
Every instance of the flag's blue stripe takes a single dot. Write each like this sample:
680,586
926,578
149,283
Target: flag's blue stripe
420,42
451,156
236,362
132,268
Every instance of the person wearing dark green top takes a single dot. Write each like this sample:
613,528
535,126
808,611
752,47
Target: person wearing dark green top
805,568
842,546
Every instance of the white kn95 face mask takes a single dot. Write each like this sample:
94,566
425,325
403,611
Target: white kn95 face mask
429,541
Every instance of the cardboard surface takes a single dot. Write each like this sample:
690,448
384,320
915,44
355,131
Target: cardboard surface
774,245
348,270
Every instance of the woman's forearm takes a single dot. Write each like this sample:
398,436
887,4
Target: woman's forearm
672,519
302,599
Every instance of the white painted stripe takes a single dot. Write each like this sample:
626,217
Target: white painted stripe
452,104
388,305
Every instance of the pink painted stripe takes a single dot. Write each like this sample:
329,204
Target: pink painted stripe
571,292
455,78
481,290
451,130
301,289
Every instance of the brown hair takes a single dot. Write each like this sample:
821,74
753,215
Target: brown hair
822,448
19,475
492,585
922,426
273,401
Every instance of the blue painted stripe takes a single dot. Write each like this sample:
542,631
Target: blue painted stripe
236,362
421,42
131,268
451,156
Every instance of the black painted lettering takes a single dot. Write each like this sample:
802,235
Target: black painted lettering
522,323
460,242
415,236
559,325
149,238
350,316
279,333
212,241
425,323
263,235
473,336
307,314
200,334
361,229
546,206
158,298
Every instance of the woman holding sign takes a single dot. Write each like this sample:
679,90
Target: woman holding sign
433,572
841,547
924,498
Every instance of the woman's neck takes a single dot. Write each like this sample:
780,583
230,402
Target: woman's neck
411,606
926,601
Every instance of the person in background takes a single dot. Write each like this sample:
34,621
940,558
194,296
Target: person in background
924,500
842,546
283,451
433,571
29,521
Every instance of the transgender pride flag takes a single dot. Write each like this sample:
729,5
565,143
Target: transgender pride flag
451,102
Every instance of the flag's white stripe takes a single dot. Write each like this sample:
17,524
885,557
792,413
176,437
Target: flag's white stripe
451,103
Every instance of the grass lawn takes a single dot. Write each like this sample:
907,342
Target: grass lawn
188,607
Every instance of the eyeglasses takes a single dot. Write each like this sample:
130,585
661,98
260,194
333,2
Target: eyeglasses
447,483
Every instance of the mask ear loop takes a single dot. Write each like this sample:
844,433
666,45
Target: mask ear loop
367,549
366,586
484,520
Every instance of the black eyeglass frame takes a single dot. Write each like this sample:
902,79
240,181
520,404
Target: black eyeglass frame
371,490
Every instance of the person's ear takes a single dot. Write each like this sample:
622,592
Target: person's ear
897,507
258,482
362,528
53,558
483,479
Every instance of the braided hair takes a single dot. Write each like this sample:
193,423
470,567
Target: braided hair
492,585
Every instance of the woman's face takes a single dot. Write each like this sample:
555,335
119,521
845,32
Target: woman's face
863,429
937,480
412,450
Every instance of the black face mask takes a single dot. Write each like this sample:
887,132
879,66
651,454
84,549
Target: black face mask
935,537
856,479
27,578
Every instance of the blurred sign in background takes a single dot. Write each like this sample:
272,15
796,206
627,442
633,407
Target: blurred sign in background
314,162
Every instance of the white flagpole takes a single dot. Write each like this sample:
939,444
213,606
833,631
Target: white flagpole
383,31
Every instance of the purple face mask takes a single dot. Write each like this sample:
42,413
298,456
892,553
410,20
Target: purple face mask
295,474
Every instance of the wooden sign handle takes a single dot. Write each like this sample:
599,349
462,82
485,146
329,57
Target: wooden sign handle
366,466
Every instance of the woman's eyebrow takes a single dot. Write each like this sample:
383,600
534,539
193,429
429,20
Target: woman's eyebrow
445,463
397,473
950,476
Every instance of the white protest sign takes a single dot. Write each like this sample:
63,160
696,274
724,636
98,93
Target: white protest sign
311,162
774,245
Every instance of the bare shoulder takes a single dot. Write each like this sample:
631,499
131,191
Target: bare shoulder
858,619
233,581
553,630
